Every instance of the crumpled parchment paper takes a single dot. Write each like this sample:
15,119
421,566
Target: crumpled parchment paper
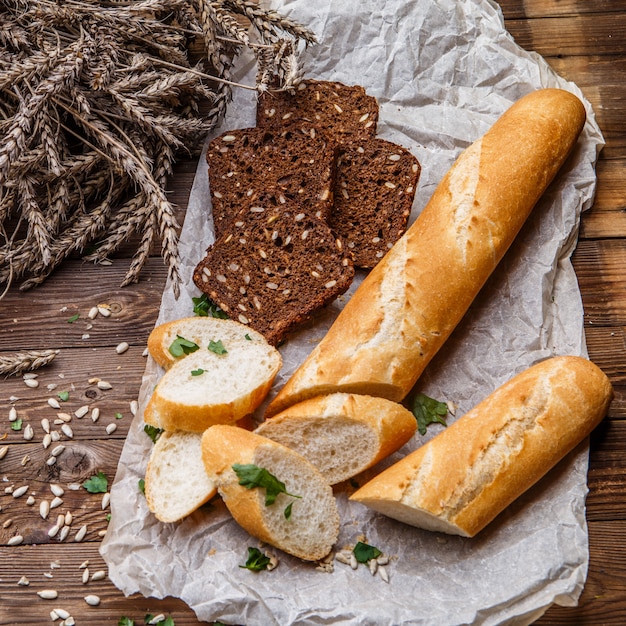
443,71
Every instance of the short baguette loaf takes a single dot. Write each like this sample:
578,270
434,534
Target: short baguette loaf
342,434
313,526
463,478
412,300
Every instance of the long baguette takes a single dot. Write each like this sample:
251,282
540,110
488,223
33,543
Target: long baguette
412,300
465,476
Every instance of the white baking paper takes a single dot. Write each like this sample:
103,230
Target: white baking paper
443,71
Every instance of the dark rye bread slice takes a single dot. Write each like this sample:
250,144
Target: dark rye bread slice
297,164
374,192
346,112
275,267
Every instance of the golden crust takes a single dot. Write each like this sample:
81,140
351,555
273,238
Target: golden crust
474,469
402,313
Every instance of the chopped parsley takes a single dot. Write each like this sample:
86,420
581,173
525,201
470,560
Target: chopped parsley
251,476
71,320
17,424
125,621
363,552
153,432
97,483
203,307
217,347
64,396
257,561
428,411
181,347
197,372
141,483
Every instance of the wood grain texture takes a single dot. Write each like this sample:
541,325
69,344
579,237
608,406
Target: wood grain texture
585,42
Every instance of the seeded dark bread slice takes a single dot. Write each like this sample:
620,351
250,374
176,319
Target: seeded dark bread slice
374,192
274,268
254,165
345,111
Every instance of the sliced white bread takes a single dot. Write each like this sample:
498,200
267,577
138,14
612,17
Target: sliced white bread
176,483
312,527
218,386
342,434
471,471
199,331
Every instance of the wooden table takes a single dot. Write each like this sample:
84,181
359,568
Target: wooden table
584,41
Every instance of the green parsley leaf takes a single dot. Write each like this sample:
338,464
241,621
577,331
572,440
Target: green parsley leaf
125,621
287,511
257,561
251,476
97,483
142,485
181,346
203,307
148,617
71,320
107,517
364,552
217,347
197,372
169,621
153,432
428,411
118,416
247,336
17,424
64,396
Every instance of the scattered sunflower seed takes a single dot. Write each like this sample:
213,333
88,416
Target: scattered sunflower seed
57,490
29,433
122,347
48,594
62,613
12,414
20,491
95,414
33,383
104,310
30,501
92,600
84,564
104,385
93,313
80,534
57,450
7,523
44,509
47,440
382,572
106,498
23,582
54,403
3,451
51,460
111,428
16,540
134,405
99,575
65,531
66,429
45,424
85,577
69,518
53,531
81,411
56,502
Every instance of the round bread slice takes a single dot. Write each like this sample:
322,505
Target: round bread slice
218,384
342,434
176,483
199,331
302,521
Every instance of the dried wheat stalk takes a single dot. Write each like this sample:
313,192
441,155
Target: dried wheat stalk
97,100
20,362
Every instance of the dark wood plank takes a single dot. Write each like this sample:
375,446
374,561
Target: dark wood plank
602,600
572,35
21,606
515,9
